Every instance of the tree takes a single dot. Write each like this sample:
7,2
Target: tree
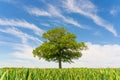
60,46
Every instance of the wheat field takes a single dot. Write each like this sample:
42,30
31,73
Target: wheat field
60,74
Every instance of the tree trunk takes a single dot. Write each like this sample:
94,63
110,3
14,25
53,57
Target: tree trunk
60,63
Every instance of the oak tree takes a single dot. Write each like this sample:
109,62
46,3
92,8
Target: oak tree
60,46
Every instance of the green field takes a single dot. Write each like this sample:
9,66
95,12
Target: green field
60,74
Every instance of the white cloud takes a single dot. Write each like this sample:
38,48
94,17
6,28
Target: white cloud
45,24
20,23
37,12
53,12
23,51
20,34
84,5
101,55
96,56
88,9
23,57
28,64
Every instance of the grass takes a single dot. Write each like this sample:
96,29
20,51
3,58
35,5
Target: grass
60,74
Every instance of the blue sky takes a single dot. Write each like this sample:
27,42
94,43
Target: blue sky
95,22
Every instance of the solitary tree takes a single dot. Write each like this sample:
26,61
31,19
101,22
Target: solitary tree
60,46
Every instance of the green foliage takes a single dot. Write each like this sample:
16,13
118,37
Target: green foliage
60,46
1,78
60,74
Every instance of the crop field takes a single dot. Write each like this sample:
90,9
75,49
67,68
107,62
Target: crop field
60,74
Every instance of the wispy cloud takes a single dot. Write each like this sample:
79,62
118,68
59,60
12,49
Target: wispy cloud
20,34
54,12
24,48
20,23
37,12
23,51
80,6
88,9
22,57
45,24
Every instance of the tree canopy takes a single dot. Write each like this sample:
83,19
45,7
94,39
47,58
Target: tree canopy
60,46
